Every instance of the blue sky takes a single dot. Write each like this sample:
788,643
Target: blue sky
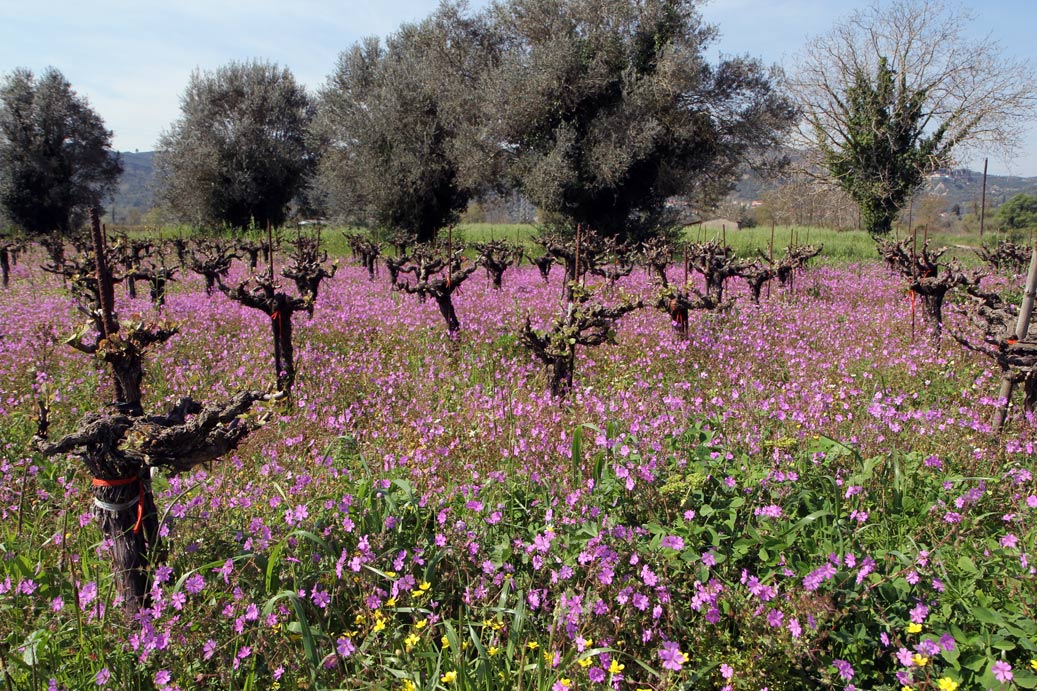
132,59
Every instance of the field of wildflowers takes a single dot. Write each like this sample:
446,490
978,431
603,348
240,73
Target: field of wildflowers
800,495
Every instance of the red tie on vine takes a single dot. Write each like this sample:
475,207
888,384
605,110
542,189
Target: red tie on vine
276,316
122,482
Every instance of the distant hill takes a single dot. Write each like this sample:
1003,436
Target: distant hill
958,187
964,187
135,194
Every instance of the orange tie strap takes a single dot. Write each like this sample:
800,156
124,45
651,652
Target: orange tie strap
122,482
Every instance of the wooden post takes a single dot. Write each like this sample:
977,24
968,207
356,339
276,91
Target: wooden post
105,289
771,256
270,250
1022,327
983,199
576,267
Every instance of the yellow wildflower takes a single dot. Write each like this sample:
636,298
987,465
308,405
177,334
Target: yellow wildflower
390,574
1033,665
391,602
445,642
615,667
532,645
408,685
920,660
411,641
379,623
947,684
425,585
914,628
449,677
585,662
492,650
421,624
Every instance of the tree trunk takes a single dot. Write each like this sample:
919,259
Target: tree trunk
562,374
128,371
284,362
543,265
133,531
5,264
1030,393
446,308
715,288
932,307
678,317
755,289
158,291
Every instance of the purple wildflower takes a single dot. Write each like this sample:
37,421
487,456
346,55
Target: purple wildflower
672,656
1002,671
844,668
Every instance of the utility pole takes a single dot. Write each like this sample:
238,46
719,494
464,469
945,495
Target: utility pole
983,199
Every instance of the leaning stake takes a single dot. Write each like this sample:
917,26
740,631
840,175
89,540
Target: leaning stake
1022,326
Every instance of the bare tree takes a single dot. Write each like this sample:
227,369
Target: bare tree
928,277
582,322
897,91
496,256
438,272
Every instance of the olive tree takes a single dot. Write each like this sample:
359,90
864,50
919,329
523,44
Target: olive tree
238,155
56,158
605,108
399,124
897,91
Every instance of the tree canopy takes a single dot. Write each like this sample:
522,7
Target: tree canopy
897,92
604,109
398,124
1018,213
238,153
56,158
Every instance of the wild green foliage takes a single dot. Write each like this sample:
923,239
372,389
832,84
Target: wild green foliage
887,151
1018,213
398,125
56,158
606,109
237,156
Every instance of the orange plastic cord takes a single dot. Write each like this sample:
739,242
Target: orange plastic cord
122,482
